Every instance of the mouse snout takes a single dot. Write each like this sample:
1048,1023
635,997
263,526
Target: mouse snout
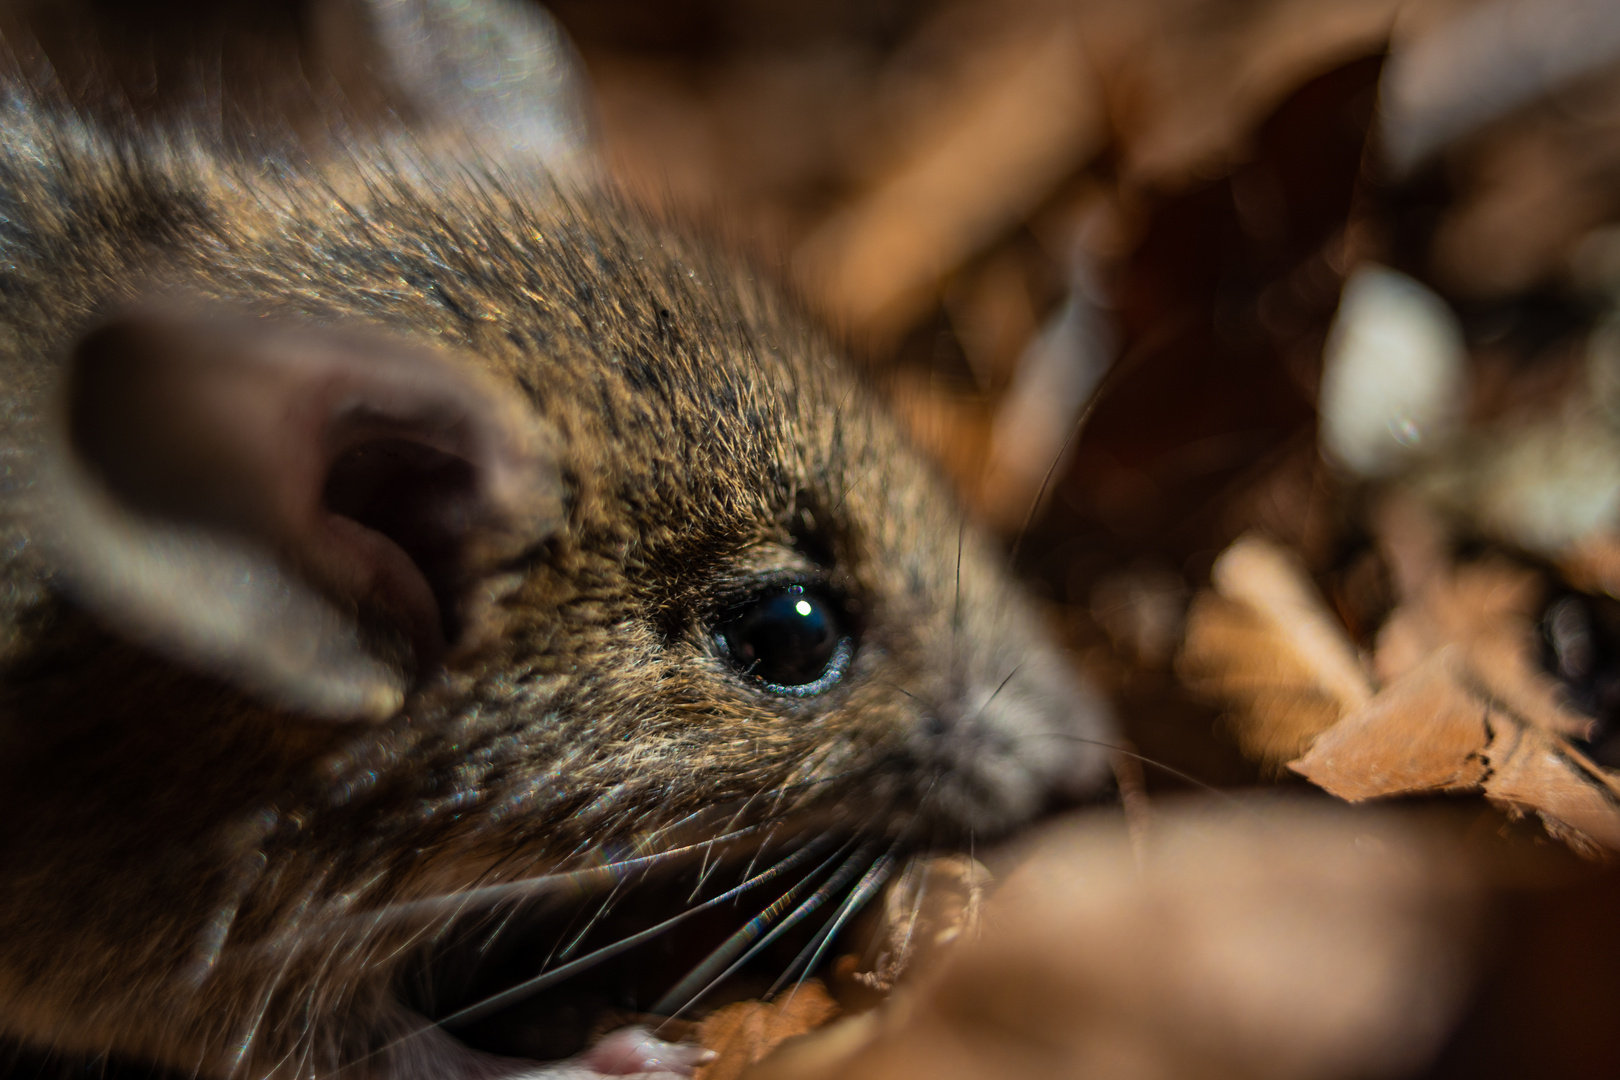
996,745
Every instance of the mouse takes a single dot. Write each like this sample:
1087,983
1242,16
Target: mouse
438,597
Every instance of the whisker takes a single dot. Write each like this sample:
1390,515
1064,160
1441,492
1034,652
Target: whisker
1106,383
458,903
529,987
916,907
956,601
903,690
850,488
698,981
590,924
1161,766
742,809
705,868
759,853
654,836
494,933
864,890
999,688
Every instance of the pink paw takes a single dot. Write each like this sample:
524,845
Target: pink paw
632,1050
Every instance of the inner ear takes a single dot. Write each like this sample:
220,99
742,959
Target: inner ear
420,498
383,479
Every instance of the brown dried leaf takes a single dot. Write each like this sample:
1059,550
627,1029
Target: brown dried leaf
1434,730
743,1033
926,909
1465,706
1593,564
1271,943
1540,771
999,145
1422,733
1487,610
1264,643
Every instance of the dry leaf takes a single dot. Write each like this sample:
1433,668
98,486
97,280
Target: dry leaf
1464,705
1265,643
1271,942
1487,610
1593,564
1418,735
1540,771
743,1033
1434,731
933,904
1008,140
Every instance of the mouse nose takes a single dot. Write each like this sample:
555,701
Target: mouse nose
955,729
967,773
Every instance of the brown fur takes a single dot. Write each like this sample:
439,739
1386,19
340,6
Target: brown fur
175,846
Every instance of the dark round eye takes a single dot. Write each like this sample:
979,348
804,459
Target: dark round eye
792,640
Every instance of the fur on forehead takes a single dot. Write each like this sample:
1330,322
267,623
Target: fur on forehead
683,384
590,306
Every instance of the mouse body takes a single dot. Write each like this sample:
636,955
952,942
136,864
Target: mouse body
397,544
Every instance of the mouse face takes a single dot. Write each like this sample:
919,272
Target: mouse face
404,549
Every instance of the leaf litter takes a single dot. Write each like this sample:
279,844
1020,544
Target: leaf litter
1458,704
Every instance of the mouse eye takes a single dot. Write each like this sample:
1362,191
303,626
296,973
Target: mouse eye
791,639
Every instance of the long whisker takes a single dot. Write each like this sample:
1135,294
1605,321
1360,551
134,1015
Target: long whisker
956,601
602,909
653,837
864,890
1000,687
492,934
705,868
530,987
759,853
1107,382
741,810
584,880
916,907
1161,766
702,979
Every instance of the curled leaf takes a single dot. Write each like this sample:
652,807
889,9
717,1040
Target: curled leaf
1460,702
743,1033
1421,734
1265,643
928,908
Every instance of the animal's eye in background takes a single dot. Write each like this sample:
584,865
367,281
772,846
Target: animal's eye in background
792,639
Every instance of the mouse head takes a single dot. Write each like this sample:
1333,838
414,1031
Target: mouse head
590,484
435,533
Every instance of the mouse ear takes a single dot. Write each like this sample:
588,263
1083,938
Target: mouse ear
320,516
499,71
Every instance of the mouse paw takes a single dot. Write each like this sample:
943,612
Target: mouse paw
635,1051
